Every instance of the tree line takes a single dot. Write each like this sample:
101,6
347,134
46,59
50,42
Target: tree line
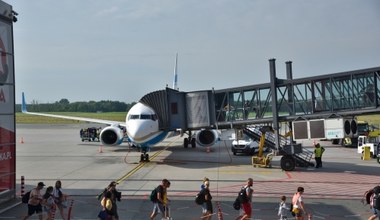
65,106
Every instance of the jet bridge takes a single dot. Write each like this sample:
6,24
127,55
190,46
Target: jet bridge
344,94
182,110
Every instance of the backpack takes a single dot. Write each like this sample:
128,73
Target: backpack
367,197
376,202
153,195
200,198
25,198
376,198
236,204
242,196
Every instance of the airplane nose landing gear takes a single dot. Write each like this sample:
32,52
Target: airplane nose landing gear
144,157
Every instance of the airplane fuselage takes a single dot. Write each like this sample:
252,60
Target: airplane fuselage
142,126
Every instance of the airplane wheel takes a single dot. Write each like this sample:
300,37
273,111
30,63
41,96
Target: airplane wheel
185,142
146,157
141,157
288,163
193,144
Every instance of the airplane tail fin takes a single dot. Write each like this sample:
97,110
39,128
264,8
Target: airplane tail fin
175,80
23,105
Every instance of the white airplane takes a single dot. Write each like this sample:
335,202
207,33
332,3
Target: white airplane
142,128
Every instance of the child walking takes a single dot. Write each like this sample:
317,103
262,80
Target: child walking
283,209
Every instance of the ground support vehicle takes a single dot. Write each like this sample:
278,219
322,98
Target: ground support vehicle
90,134
293,154
262,160
245,145
372,143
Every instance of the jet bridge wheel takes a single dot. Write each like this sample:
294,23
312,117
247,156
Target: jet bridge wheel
193,144
288,163
185,142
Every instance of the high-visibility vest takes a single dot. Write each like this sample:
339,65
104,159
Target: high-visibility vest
319,151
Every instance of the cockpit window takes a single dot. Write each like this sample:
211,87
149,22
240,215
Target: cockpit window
143,117
131,117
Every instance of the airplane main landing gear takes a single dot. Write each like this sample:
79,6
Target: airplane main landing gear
187,141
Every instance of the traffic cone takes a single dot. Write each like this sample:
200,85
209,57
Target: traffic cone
208,149
101,149
220,214
22,140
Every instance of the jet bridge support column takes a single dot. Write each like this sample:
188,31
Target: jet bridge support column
273,88
289,76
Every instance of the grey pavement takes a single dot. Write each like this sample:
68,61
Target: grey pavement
52,152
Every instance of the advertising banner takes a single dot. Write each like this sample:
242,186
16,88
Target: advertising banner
7,153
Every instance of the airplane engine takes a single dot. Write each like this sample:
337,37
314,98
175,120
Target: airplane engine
206,138
111,135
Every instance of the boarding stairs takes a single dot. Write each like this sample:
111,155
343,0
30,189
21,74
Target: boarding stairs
301,157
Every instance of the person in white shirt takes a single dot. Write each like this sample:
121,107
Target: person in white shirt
283,209
34,203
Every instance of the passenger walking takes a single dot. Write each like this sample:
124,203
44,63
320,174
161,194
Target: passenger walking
48,203
60,198
283,209
207,209
115,196
373,202
318,151
167,203
298,204
106,203
34,203
159,203
203,183
246,201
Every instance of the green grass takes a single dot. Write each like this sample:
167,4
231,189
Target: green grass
371,119
117,116
34,119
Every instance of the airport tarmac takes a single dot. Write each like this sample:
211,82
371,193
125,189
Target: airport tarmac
51,152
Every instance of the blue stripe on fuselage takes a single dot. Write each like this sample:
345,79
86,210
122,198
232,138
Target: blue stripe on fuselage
155,140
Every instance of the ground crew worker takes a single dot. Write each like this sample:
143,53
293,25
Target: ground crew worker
318,151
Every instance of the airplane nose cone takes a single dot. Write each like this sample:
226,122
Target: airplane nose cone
137,132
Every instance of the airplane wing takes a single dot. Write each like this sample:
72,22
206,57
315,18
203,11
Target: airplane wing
100,121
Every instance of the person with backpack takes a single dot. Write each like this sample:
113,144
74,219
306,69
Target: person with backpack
106,213
34,203
159,202
116,196
207,208
375,203
245,197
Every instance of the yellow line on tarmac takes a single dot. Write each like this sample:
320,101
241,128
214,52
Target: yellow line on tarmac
134,170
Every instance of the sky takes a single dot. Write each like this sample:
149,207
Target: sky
121,50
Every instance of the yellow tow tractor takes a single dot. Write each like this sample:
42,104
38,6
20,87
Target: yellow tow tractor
261,160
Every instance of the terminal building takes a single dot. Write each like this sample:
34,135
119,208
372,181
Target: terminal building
7,104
